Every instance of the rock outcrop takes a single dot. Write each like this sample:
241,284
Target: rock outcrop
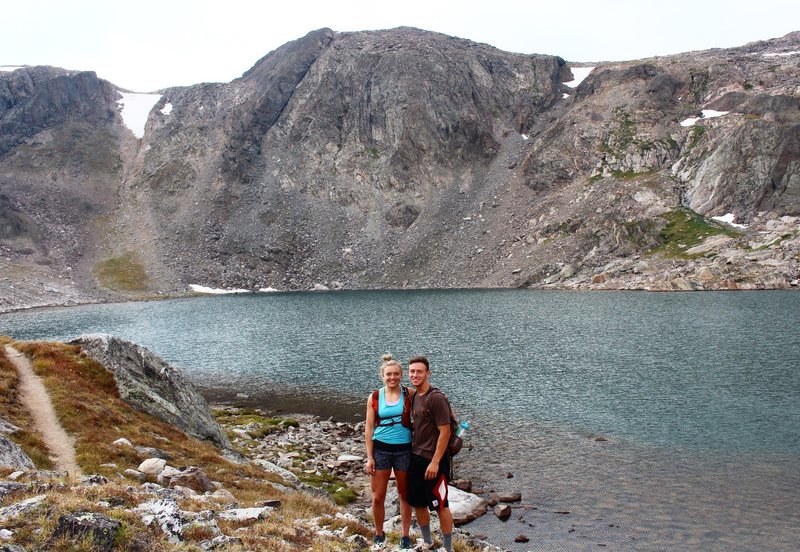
12,456
374,159
148,383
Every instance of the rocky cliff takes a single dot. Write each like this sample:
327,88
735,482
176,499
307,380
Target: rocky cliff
150,384
405,158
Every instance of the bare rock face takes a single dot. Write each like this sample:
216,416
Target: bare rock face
150,384
12,456
376,159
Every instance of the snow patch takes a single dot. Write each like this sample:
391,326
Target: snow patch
135,109
728,219
215,291
268,290
580,73
525,136
781,54
10,68
167,109
706,114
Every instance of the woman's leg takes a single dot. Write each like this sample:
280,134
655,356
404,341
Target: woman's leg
401,477
378,484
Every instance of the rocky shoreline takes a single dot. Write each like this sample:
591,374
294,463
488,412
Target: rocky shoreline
763,256
312,447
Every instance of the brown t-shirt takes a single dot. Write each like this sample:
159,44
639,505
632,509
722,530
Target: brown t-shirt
430,411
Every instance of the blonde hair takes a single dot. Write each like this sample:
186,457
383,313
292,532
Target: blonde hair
389,360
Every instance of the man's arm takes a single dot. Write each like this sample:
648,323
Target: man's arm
441,448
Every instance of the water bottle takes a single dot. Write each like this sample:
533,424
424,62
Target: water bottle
462,427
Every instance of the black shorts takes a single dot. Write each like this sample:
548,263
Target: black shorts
428,492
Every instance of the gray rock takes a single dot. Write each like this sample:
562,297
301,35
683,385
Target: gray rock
283,473
502,511
465,506
12,456
7,427
194,478
220,541
152,452
136,474
166,515
21,507
244,514
152,466
148,383
8,487
101,530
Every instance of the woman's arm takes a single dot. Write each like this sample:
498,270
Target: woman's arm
369,430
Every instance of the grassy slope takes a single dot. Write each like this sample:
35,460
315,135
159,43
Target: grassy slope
88,405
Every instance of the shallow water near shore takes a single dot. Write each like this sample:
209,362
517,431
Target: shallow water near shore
657,421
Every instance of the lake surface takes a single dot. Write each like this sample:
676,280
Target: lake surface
657,421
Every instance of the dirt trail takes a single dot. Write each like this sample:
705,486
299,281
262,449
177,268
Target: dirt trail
34,397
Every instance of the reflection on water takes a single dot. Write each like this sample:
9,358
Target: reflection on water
696,396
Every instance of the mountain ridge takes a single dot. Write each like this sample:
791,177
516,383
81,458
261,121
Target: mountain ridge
405,159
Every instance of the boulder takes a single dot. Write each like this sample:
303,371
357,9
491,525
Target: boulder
152,385
284,474
152,466
464,506
194,478
502,511
244,514
101,530
12,456
152,452
22,507
514,496
135,474
122,442
166,515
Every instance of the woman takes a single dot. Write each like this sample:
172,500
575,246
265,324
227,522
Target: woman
388,439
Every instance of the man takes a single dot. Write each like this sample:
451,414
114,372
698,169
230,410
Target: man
429,468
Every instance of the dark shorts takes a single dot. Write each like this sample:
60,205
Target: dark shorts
428,492
391,459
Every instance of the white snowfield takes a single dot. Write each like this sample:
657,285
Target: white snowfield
781,54
580,73
217,291
10,68
707,114
728,219
135,110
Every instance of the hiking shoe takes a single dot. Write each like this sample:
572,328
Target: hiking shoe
378,542
423,546
405,543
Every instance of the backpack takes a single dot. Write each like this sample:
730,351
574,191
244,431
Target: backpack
405,419
455,443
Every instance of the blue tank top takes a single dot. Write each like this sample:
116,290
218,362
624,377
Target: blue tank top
391,431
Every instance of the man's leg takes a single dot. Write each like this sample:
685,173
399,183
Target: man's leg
446,522
424,522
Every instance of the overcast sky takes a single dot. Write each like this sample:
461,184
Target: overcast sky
144,45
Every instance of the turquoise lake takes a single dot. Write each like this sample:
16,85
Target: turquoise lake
658,421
